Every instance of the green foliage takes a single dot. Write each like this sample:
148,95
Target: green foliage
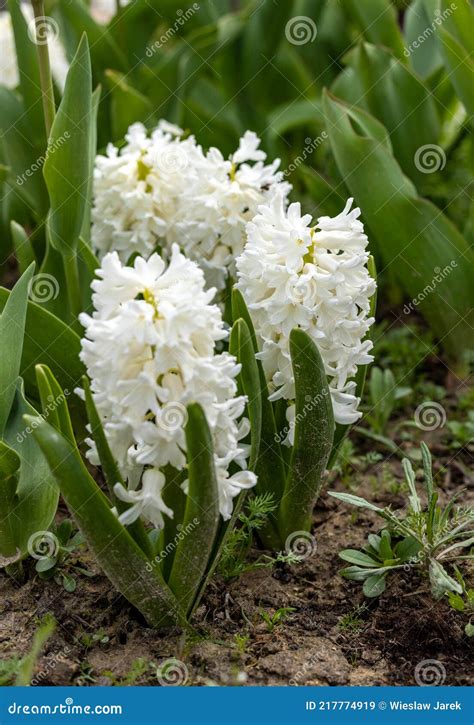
383,397
277,618
426,536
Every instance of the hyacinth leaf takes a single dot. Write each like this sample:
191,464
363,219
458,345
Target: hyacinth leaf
12,326
140,582
35,495
86,226
313,436
269,468
109,466
201,516
53,402
22,245
66,169
407,228
48,340
240,345
377,20
396,97
461,67
30,85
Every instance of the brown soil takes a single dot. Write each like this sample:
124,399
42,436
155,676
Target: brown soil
380,643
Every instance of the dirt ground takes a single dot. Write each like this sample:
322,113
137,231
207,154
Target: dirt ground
334,636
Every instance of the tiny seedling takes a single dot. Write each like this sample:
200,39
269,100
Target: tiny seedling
427,537
353,622
463,602
273,620
60,566
384,393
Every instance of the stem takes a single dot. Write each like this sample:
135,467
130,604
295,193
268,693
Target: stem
117,6
49,108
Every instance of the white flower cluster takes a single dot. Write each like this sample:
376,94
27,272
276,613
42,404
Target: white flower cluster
315,278
149,351
104,10
9,73
164,189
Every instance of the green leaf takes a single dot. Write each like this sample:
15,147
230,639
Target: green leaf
374,585
354,500
441,582
314,431
269,468
117,553
48,340
461,68
42,634
36,494
67,166
201,517
408,229
22,245
240,345
407,549
53,402
353,556
12,326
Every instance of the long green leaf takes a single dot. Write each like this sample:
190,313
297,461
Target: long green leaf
67,166
117,553
12,326
413,236
201,517
314,433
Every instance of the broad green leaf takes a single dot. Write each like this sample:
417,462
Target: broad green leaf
12,326
313,436
383,86
353,556
53,402
407,549
48,340
67,166
117,553
430,258
421,46
374,585
201,518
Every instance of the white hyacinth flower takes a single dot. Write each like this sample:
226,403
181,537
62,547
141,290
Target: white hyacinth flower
164,189
9,73
149,349
293,274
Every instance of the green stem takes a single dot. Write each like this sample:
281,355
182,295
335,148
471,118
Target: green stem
49,108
